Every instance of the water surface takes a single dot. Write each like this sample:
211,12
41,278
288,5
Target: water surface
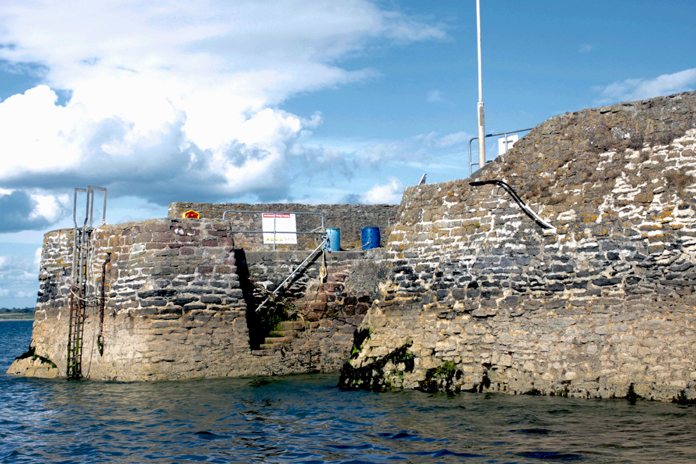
306,419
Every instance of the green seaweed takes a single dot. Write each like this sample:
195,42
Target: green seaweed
683,400
371,376
359,339
31,353
631,395
440,378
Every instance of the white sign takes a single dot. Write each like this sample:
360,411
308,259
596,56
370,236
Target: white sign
506,143
284,226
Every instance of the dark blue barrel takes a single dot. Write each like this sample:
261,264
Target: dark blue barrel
334,239
370,238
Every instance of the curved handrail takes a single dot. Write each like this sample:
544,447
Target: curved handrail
523,206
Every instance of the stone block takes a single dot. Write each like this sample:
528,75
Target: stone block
194,306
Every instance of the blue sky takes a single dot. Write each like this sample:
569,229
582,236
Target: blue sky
317,101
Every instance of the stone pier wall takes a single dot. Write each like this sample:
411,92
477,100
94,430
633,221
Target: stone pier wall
479,298
175,306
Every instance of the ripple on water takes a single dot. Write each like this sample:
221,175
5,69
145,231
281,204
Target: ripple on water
305,419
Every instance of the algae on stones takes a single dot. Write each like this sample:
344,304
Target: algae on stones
379,374
441,378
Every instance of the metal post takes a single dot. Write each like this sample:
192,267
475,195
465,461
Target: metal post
481,116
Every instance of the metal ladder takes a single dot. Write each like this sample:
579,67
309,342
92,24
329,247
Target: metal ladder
80,290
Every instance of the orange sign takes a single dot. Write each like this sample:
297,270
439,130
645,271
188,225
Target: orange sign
191,214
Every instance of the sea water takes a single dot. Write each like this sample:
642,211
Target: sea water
306,419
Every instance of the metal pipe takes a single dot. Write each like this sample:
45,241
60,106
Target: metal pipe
102,189
91,207
74,214
523,206
87,207
102,303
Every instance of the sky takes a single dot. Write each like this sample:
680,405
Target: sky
310,101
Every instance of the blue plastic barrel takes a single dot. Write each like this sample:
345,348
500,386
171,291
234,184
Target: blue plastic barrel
370,238
334,239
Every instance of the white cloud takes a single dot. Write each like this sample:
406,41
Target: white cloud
435,96
585,48
37,258
422,148
50,207
390,193
16,293
173,98
453,139
640,89
18,276
27,209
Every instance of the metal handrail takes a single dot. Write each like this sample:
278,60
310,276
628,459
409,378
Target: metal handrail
471,163
280,287
321,231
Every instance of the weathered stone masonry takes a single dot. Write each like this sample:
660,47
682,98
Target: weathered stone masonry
478,298
176,306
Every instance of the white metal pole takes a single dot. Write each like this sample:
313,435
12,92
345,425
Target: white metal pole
481,117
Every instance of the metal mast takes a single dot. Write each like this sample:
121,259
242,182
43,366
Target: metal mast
481,118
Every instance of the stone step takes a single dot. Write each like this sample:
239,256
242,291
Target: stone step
281,333
338,277
316,306
270,346
313,316
300,305
277,340
333,286
292,325
263,352
315,297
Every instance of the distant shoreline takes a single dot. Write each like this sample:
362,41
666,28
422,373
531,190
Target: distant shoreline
15,319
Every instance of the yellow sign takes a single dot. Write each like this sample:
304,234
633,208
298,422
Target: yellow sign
191,214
